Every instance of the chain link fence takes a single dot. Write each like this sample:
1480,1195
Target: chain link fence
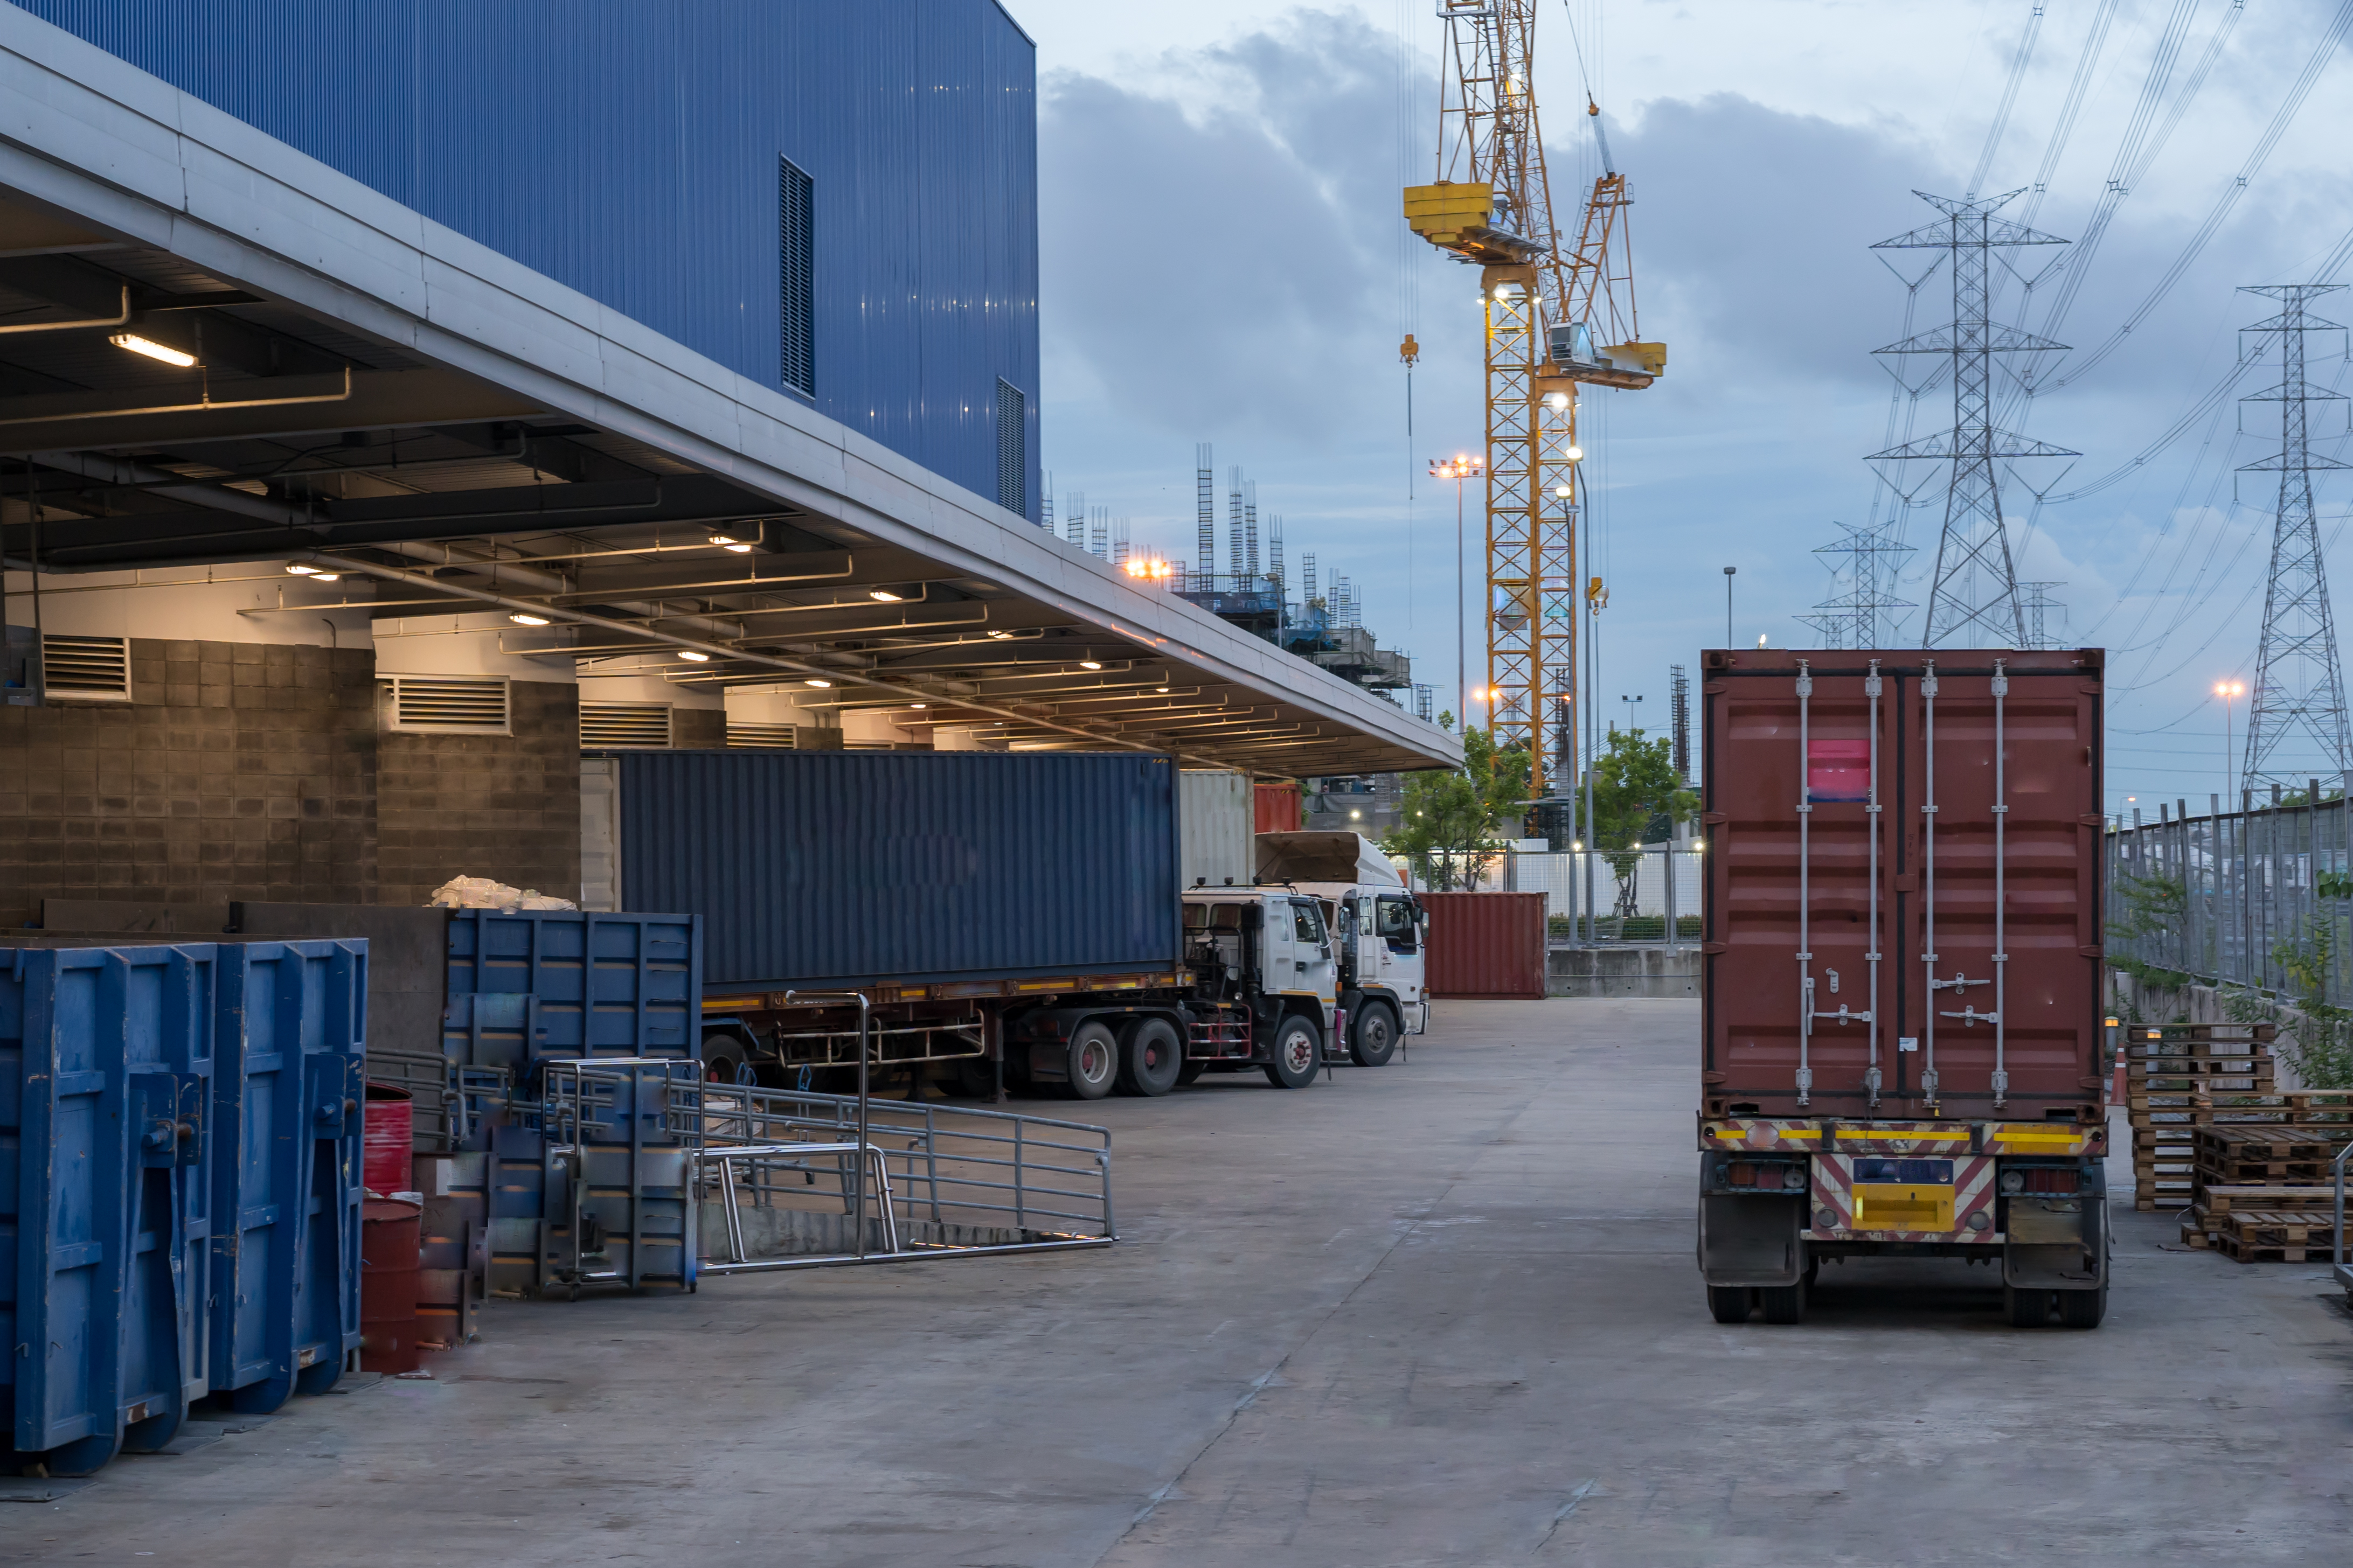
2261,898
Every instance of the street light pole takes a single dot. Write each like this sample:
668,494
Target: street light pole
1460,467
1728,572
2227,690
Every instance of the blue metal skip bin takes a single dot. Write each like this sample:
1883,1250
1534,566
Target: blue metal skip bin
105,1069
290,1031
527,988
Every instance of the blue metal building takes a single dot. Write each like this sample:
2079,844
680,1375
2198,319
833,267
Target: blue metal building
839,201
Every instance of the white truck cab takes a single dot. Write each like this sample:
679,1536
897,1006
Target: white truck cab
1378,927
1266,974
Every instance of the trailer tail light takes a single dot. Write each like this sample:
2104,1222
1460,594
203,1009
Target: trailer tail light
1740,1174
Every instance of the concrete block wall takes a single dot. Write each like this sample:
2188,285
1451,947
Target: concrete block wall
238,770
506,806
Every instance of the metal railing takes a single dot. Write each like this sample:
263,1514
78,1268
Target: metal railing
934,1180
2255,897
1631,897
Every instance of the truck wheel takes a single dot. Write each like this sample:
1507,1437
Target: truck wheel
1298,1052
1376,1033
2025,1308
1729,1303
1150,1058
2084,1309
722,1057
1094,1060
1783,1303
1190,1073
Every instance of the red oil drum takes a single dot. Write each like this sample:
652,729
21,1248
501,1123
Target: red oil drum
389,1241
390,1131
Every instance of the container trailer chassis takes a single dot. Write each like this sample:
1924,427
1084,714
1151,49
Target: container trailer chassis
1086,1034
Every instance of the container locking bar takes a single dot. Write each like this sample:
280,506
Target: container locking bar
1871,814
2000,948
1929,877
1805,1014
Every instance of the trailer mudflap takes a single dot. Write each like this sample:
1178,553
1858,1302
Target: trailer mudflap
1751,1239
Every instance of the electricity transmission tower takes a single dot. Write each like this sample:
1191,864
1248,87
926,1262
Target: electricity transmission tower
2299,685
1973,592
1863,591
2041,612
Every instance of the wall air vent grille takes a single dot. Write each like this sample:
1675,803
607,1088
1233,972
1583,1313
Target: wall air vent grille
86,669
761,737
642,726
452,704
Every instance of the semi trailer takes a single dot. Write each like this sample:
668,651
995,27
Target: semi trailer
1901,964
996,918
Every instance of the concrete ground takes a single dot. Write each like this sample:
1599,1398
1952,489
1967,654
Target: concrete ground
1444,1311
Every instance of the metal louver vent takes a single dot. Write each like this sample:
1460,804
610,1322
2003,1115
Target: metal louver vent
452,704
761,737
86,669
642,725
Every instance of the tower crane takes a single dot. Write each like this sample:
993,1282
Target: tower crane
1556,318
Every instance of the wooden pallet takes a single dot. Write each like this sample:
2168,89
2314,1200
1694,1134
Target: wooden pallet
2272,1142
2141,1034
2211,1061
2219,1200
2258,1173
2276,1235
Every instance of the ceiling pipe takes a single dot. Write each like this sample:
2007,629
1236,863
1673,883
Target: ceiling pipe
717,650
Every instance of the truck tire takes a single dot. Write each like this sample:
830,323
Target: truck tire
1094,1060
722,1057
2025,1308
1375,1027
1150,1058
1729,1303
2084,1309
1783,1303
1298,1052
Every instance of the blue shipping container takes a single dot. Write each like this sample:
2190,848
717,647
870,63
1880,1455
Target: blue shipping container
642,155
105,1081
290,1038
527,986
837,869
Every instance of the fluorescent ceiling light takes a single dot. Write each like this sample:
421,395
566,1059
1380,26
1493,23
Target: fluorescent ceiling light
692,657
817,680
884,596
1089,664
1000,636
326,577
299,569
151,349
522,620
732,542
919,705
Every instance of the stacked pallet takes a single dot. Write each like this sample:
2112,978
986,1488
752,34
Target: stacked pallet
2263,1185
2169,1069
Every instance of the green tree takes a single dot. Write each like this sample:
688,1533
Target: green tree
1635,786
1449,819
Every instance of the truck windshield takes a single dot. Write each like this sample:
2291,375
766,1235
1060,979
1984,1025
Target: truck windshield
1306,921
1396,921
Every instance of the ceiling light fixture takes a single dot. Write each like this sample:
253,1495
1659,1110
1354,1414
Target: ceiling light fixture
733,543
1089,664
694,657
1001,637
884,596
151,349
919,705
521,619
326,577
817,680
299,569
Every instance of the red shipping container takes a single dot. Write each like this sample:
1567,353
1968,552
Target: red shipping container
1277,807
1485,946
1893,898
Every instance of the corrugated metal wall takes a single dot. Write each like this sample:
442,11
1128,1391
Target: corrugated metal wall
828,867
629,151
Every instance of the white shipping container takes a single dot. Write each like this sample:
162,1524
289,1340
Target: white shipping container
1216,823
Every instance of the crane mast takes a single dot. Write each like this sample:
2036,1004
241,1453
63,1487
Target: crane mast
1491,207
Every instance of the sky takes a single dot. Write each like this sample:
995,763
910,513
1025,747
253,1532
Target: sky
1224,261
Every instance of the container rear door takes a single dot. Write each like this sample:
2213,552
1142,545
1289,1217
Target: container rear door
1873,920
